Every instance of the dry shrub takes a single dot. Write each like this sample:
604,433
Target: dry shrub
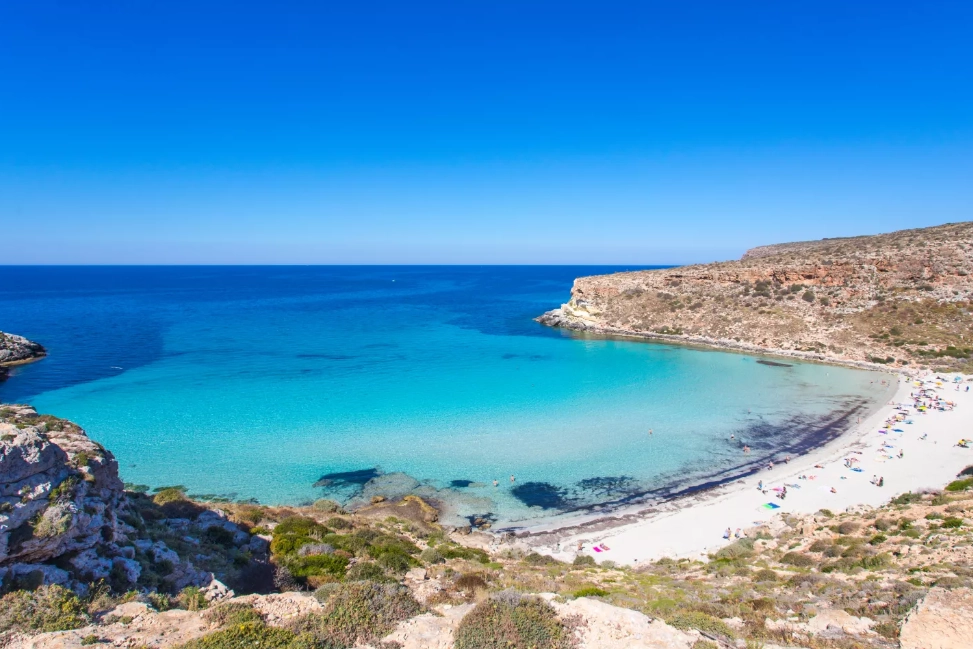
508,620
358,612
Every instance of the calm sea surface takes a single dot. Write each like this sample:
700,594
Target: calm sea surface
286,384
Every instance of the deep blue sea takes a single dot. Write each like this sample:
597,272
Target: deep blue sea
287,384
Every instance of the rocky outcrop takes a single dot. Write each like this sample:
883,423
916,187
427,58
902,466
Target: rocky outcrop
942,620
66,519
899,299
60,498
15,350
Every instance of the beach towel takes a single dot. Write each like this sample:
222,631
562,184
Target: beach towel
596,549
857,470
770,506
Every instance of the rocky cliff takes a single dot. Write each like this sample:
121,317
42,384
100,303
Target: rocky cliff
65,517
898,299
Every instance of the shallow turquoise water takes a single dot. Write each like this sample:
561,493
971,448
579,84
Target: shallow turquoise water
261,381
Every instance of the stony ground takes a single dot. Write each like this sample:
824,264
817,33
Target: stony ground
898,299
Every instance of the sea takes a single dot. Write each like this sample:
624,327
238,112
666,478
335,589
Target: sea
286,384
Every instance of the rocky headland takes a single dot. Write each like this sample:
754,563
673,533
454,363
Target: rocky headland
16,350
902,300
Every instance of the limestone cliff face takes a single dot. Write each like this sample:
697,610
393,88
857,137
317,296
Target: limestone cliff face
60,497
17,349
902,298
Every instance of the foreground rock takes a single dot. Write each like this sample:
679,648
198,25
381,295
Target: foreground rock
66,519
895,299
943,620
60,498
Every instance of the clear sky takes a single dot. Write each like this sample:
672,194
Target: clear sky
475,132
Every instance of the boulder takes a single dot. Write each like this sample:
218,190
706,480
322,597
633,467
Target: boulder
941,620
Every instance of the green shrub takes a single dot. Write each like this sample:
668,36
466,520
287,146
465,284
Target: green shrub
960,485
878,539
906,499
191,599
765,575
952,522
508,621
358,612
590,591
300,526
49,608
369,571
459,552
820,545
169,495
317,565
219,536
284,544
826,512
431,556
848,527
535,559
797,559
90,639
701,622
584,560
232,613
739,549
251,634
808,296
470,583
326,506
336,523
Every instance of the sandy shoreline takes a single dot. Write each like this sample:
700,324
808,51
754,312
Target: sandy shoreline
693,526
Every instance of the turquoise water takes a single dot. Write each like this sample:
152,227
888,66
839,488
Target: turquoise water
256,383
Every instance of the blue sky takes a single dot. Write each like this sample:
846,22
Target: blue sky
475,132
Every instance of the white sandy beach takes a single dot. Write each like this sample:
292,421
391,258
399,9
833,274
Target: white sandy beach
694,526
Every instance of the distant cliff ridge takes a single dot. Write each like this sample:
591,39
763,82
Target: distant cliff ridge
902,299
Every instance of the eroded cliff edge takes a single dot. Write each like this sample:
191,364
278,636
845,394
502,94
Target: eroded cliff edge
902,299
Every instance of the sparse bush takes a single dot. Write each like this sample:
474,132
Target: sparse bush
737,550
584,560
820,545
701,622
849,527
219,535
300,526
952,522
49,608
191,599
797,559
251,634
326,506
508,620
358,612
808,296
369,571
765,575
960,485
169,495
470,583
431,556
590,591
535,559
232,613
